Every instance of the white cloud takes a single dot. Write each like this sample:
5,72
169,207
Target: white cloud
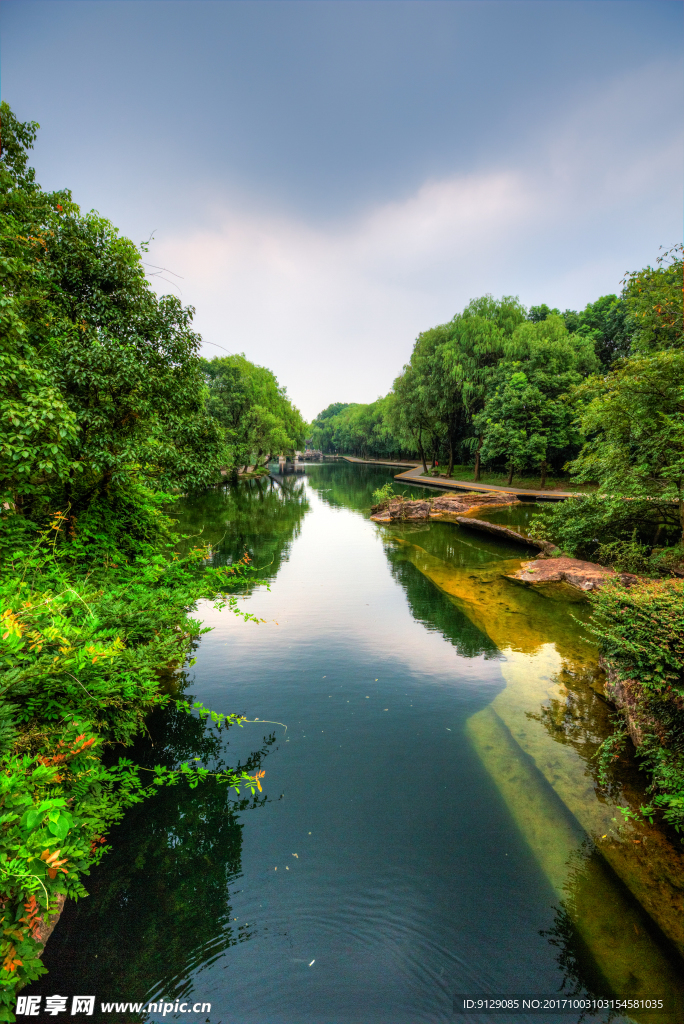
333,309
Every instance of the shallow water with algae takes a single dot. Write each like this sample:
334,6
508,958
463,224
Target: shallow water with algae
432,823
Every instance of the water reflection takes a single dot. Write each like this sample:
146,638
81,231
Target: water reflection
261,517
350,485
160,902
439,615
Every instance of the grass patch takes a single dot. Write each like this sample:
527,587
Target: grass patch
532,483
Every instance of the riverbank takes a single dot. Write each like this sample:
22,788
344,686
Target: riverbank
554,573
414,474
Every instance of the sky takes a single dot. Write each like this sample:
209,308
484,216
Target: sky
324,179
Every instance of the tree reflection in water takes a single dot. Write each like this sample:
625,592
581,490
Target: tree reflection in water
351,485
435,611
164,889
261,517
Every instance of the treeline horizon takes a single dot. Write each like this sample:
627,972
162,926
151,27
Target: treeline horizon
502,387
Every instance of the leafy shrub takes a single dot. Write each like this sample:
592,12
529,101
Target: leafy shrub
641,630
641,633
665,561
625,556
85,633
582,525
382,495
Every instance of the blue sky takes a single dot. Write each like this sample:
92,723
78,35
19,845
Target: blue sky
326,178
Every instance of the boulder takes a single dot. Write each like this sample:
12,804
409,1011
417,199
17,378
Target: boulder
443,508
581,576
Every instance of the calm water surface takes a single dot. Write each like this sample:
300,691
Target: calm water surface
431,823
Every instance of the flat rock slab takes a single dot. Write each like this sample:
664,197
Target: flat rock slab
445,508
584,576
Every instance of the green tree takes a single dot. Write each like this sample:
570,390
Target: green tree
323,427
470,358
102,386
366,430
608,323
633,419
536,314
449,376
654,300
527,421
257,417
413,415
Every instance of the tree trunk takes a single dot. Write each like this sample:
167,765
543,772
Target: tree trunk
543,475
510,474
477,459
422,453
450,467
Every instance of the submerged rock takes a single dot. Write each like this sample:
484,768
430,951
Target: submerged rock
582,576
505,533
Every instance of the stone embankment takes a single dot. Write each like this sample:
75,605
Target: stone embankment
461,509
504,533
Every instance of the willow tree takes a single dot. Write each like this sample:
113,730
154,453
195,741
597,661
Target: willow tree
410,415
255,414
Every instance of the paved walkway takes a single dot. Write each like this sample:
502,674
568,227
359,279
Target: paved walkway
414,475
409,464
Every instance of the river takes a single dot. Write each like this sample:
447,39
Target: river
431,824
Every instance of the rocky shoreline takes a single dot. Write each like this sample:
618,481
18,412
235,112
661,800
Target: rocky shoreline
584,576
442,508
550,573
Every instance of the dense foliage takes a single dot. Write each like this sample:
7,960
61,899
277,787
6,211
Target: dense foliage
103,407
257,417
525,420
641,632
357,429
100,378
